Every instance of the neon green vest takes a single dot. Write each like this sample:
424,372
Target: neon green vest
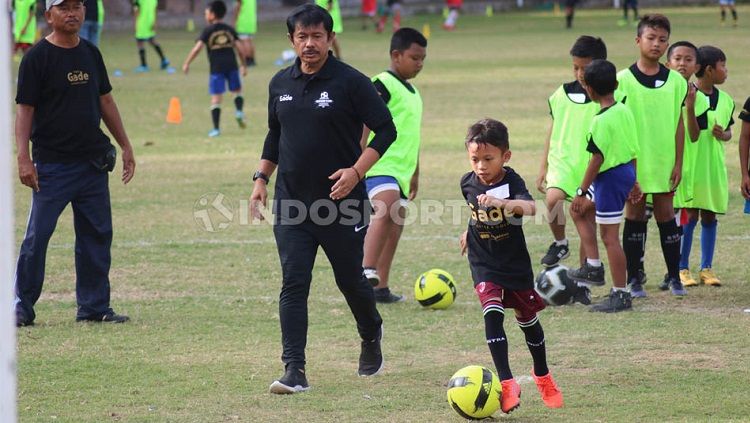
24,10
400,160
567,158
710,184
684,193
100,12
144,24
656,112
613,133
338,25
247,20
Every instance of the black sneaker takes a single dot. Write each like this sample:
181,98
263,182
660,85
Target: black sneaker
385,296
664,285
555,254
372,276
293,381
582,295
588,274
371,357
636,285
615,302
22,320
110,317
673,284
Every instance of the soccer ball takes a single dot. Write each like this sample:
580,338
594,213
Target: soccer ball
435,289
555,287
474,392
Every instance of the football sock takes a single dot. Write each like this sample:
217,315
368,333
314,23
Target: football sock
215,115
617,289
142,56
723,15
561,242
157,47
633,243
594,262
239,102
734,15
535,341
708,243
687,243
670,235
496,339
569,21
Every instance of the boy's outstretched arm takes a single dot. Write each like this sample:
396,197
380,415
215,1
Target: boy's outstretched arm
541,180
191,56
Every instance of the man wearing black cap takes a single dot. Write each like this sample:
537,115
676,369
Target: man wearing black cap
63,94
316,111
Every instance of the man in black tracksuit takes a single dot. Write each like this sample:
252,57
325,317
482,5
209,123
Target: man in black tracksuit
316,111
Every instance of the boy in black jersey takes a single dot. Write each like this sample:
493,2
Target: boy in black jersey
498,257
223,43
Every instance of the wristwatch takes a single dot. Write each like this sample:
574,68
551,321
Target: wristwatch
260,175
581,193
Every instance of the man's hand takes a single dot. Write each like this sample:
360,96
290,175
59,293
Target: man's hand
541,182
676,177
258,199
128,165
462,242
346,179
745,187
27,173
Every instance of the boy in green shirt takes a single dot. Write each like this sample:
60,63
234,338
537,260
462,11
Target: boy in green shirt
24,26
394,179
710,184
655,95
608,182
332,6
145,31
565,154
246,24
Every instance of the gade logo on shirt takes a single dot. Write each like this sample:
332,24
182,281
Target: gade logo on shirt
323,101
78,77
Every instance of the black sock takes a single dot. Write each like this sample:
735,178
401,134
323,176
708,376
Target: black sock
157,47
734,15
215,115
569,20
142,55
239,102
496,340
635,13
671,238
535,341
633,243
625,11
723,14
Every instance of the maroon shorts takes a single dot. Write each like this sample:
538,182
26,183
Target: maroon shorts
526,302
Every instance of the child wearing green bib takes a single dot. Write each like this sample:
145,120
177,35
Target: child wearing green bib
24,25
145,31
710,184
607,184
332,6
394,179
655,96
565,154
246,24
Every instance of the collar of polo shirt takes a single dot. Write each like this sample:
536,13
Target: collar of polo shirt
326,72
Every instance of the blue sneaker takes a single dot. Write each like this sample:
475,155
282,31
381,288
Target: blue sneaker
142,69
240,116
164,64
637,291
214,133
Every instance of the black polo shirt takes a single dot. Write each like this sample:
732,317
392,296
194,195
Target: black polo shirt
314,128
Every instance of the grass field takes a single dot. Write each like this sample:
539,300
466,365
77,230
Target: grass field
204,342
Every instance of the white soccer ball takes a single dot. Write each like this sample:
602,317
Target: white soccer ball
555,287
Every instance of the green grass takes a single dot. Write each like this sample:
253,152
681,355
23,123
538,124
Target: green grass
204,343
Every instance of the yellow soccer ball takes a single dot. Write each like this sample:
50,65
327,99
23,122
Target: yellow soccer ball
435,289
474,392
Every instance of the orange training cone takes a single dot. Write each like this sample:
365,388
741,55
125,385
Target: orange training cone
174,113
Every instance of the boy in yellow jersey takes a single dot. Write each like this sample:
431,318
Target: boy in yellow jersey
607,184
710,184
145,32
565,154
655,96
394,179
246,24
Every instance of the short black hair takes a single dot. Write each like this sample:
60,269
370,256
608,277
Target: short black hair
654,20
218,8
405,37
488,131
687,44
308,15
601,76
709,56
588,46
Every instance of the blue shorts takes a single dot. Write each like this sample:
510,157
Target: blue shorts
610,192
217,82
377,184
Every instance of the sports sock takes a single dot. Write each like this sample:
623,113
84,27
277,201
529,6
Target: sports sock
569,21
157,47
708,243
723,15
594,262
670,235
687,243
561,242
633,243
239,102
617,289
142,56
215,115
496,339
535,341
734,15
